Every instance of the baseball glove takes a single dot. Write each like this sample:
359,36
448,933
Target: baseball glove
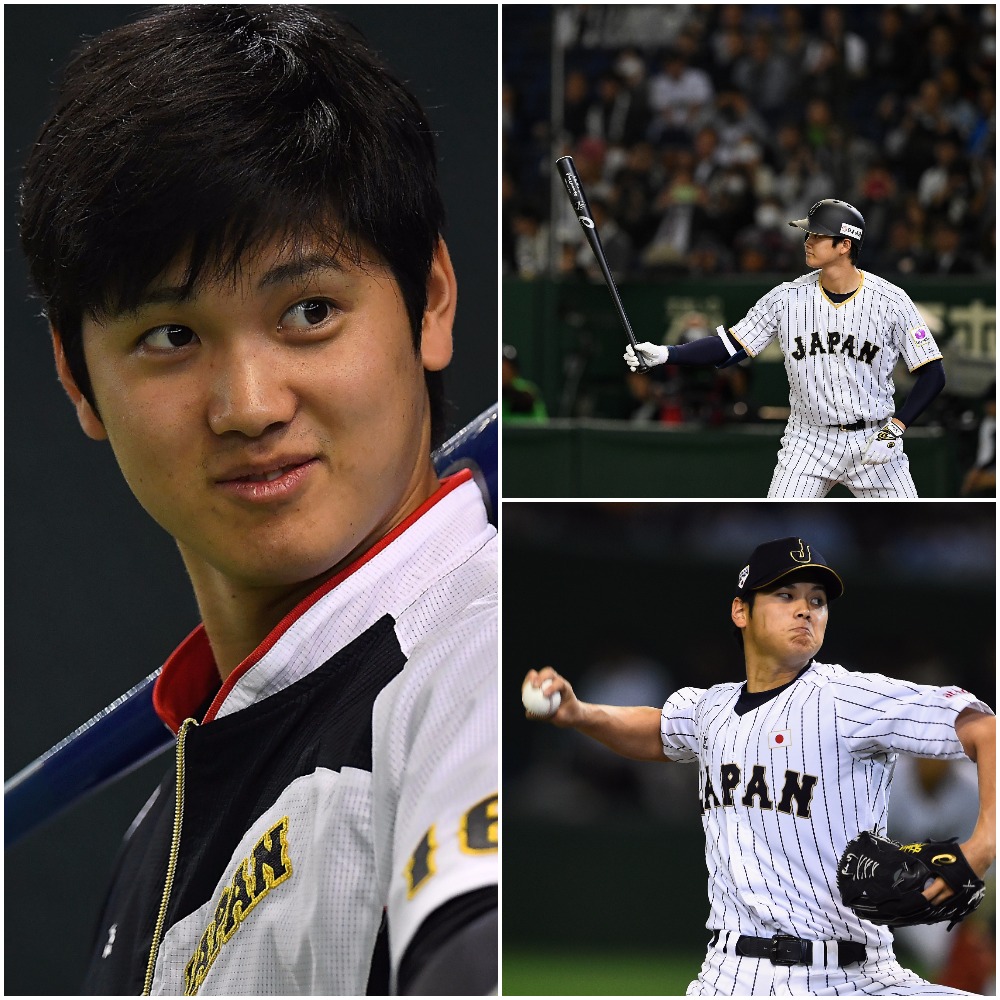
882,881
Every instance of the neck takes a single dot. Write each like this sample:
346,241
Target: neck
238,614
764,673
238,618
840,277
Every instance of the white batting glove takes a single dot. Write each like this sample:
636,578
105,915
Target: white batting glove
884,446
649,355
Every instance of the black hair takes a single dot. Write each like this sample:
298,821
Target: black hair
209,130
855,250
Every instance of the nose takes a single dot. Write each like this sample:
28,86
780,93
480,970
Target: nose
249,392
804,609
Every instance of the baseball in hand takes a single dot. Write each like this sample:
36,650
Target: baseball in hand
537,704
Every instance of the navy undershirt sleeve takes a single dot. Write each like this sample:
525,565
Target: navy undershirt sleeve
454,952
930,381
704,351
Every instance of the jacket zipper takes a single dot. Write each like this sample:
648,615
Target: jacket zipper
175,847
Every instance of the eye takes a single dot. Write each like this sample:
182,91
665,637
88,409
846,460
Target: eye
307,315
167,338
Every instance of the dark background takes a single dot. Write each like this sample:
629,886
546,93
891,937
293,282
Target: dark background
96,595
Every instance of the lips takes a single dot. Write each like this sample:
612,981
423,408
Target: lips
262,471
267,477
269,482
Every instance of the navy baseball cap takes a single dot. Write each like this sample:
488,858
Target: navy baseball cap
773,560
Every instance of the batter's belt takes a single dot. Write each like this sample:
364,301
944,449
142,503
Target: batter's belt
858,425
782,949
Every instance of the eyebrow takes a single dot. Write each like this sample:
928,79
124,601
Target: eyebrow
299,267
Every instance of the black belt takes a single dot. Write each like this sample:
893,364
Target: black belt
784,950
858,425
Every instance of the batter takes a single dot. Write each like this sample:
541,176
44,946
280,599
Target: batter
793,763
841,332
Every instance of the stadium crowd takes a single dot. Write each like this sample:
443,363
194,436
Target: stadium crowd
699,130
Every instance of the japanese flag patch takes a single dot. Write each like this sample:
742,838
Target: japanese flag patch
920,334
780,739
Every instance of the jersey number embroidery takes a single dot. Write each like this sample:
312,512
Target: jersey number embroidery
478,833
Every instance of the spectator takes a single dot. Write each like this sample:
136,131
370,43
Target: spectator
706,156
948,255
981,479
944,180
635,187
903,253
850,48
726,44
619,115
733,119
764,75
877,201
677,95
959,111
792,42
531,242
683,217
520,400
576,102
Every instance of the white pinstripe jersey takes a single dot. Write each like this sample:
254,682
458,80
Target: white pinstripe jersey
839,358
787,783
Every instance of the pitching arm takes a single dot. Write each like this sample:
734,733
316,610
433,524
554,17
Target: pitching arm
630,731
978,733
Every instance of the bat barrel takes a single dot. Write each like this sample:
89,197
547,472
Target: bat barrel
578,199
115,742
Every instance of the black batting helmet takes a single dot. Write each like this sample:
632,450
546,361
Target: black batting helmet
830,217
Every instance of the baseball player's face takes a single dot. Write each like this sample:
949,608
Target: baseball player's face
787,623
275,422
820,251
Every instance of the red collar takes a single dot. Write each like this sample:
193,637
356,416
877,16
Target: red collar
189,677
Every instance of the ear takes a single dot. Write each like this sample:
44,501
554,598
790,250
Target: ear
439,313
91,423
739,613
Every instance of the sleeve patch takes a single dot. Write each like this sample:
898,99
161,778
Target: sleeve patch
478,833
920,334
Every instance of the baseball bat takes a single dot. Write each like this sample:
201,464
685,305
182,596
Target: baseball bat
128,732
577,198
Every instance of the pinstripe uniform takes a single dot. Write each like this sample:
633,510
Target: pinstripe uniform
787,777
839,358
